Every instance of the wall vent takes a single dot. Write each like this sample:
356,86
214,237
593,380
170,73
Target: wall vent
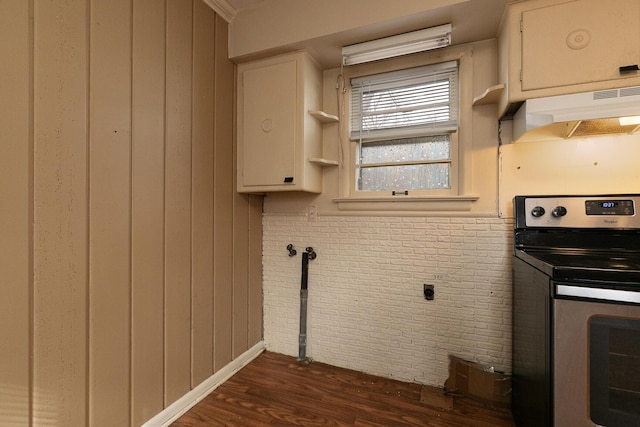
630,91
605,94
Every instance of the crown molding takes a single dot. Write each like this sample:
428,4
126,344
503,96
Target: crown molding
222,8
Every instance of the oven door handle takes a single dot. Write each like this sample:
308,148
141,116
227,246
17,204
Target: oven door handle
598,293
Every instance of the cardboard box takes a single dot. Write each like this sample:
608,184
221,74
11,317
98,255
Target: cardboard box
478,382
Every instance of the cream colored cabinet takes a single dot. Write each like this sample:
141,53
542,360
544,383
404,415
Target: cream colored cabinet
279,140
551,47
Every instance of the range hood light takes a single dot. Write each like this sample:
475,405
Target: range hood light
629,120
579,115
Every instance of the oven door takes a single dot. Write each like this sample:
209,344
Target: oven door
596,362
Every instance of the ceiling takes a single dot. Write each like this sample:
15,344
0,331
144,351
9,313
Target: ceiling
472,20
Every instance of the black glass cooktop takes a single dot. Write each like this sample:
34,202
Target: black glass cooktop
582,265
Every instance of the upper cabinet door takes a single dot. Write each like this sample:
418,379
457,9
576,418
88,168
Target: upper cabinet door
579,42
269,123
278,139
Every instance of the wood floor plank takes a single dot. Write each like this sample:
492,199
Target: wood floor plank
274,390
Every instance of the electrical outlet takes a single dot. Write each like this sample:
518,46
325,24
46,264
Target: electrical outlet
429,292
312,213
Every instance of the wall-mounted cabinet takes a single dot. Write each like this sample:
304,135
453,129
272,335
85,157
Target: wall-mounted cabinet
280,125
551,47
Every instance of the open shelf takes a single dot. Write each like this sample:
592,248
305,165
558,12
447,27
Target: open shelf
489,96
324,117
323,162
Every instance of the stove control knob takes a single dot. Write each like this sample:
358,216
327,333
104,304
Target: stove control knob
559,211
537,212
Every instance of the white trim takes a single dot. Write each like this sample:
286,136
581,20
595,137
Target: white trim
222,8
407,203
178,408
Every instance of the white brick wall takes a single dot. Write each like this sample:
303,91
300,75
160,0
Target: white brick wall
366,308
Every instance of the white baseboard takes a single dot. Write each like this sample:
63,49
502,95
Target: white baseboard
189,400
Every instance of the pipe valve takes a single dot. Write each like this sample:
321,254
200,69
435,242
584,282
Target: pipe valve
311,252
292,252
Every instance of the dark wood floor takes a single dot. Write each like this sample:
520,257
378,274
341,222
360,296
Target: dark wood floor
274,390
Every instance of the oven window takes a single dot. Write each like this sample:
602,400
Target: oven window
614,368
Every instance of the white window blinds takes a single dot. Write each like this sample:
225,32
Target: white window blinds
411,102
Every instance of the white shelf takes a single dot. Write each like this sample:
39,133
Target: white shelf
489,96
324,117
323,162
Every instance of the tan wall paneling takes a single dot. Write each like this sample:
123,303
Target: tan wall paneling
247,265
255,270
147,210
109,212
126,278
223,202
60,332
178,200
15,212
202,182
240,275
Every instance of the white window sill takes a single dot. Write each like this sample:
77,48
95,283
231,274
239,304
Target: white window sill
407,203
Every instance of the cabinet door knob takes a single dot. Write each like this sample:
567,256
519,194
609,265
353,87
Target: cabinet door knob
267,125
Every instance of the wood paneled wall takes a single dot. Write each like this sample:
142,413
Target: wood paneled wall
130,269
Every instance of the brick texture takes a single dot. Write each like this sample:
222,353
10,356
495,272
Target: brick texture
366,308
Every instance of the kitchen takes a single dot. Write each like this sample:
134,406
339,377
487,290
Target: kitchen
366,304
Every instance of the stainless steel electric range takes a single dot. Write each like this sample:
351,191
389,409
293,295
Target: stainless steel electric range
576,311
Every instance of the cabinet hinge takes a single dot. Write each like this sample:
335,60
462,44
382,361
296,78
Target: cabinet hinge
521,24
521,76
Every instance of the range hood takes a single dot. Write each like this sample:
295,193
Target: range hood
578,115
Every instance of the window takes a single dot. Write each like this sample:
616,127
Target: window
410,148
405,164
405,124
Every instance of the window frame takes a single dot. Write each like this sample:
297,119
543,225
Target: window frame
453,199
453,172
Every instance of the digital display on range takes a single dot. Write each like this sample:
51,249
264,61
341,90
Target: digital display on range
609,207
